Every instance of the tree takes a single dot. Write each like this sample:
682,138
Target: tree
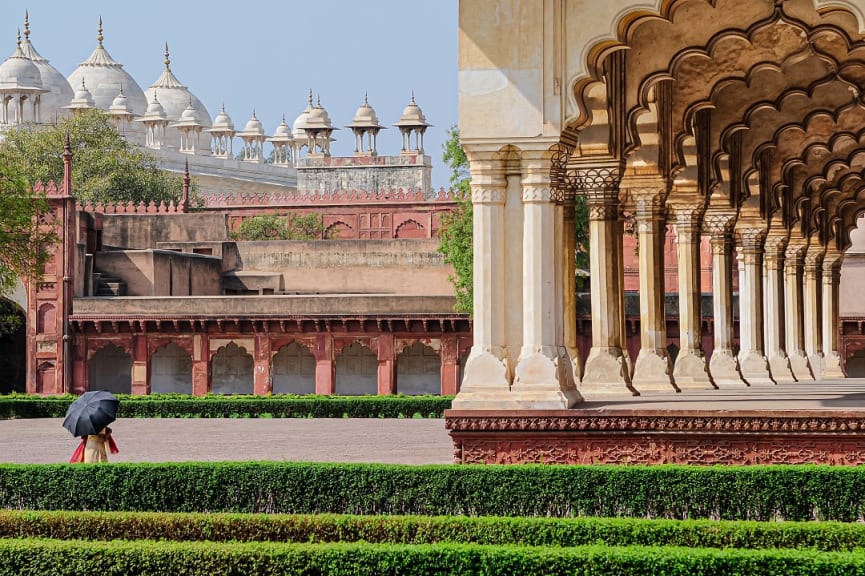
273,227
106,167
23,239
455,234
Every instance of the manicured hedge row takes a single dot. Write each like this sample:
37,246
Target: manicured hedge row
73,558
218,406
679,492
824,536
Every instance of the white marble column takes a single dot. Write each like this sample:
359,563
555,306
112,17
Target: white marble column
606,370
690,371
752,360
794,258
543,377
487,377
774,307
569,286
653,369
724,365
812,307
831,278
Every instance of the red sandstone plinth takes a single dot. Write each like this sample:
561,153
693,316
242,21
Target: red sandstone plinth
658,437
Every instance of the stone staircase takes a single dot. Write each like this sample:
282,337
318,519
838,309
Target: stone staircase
104,285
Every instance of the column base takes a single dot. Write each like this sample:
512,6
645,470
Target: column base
691,372
800,367
485,383
779,366
832,367
577,367
725,370
652,372
816,362
755,369
544,381
606,373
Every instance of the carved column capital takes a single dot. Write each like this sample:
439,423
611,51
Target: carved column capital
751,240
774,248
488,194
719,223
688,219
536,194
814,258
831,267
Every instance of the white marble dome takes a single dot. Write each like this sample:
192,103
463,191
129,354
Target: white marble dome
299,122
58,90
282,131
19,72
105,77
253,127
223,121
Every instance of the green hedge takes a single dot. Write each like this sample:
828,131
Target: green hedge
676,492
824,536
219,406
74,558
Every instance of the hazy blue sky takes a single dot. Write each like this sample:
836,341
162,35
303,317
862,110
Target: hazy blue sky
268,54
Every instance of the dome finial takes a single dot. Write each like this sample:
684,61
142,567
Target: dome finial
412,97
310,97
167,59
283,117
223,106
365,98
253,113
18,42
26,24
99,36
318,100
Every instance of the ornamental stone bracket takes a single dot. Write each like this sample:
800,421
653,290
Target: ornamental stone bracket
658,437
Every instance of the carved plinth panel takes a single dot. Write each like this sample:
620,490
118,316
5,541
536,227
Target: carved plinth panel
656,449
665,437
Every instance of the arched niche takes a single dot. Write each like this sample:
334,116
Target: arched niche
13,347
293,370
232,370
356,370
171,370
110,368
418,370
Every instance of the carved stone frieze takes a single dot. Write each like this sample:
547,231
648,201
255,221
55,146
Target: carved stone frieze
488,195
660,438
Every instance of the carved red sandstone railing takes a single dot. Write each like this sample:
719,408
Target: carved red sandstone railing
317,197
130,207
50,188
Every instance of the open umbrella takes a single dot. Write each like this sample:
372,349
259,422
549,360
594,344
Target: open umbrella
91,412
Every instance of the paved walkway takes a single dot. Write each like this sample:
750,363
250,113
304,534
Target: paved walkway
398,441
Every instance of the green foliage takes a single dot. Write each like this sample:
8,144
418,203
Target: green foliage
75,557
23,240
218,406
272,227
795,493
498,531
455,234
106,168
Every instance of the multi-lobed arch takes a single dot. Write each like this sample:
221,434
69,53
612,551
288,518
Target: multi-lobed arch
734,99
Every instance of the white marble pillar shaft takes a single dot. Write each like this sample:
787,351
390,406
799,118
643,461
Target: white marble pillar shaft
653,369
606,370
812,327
831,278
752,360
793,316
690,371
774,308
724,365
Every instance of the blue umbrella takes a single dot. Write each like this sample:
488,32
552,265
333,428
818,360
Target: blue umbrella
91,412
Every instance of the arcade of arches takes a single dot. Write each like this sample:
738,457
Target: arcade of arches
350,365
741,122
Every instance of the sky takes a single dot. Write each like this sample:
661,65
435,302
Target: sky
267,55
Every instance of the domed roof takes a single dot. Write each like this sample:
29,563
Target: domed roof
300,121
253,127
365,117
175,97
412,116
155,111
190,117
282,133
105,77
19,73
82,99
120,105
317,119
222,122
58,92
